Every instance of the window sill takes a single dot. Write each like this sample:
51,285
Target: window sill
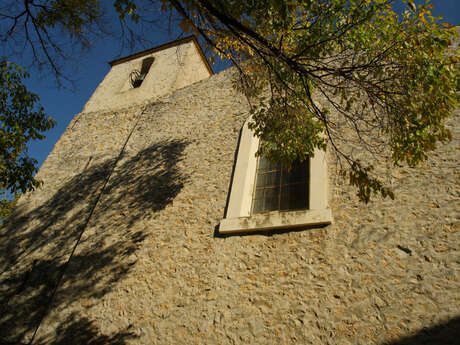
276,220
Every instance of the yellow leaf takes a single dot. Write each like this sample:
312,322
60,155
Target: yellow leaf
185,25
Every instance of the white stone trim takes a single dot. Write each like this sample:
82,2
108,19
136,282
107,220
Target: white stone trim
239,218
276,220
318,187
243,179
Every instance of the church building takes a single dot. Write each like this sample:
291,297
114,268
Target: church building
157,224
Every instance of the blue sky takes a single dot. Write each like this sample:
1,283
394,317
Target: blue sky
64,104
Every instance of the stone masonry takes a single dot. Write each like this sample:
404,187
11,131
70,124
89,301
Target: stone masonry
134,196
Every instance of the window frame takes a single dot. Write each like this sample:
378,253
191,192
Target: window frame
239,217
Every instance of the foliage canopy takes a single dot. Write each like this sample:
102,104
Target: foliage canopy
351,75
22,120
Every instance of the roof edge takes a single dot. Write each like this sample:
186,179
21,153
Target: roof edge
171,44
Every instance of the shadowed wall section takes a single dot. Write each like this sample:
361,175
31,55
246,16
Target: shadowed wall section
444,333
144,183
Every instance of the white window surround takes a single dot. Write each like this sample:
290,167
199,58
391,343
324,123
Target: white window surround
239,217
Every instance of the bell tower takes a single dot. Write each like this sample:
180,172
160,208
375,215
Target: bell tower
150,74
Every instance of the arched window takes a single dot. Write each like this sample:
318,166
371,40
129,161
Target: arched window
137,76
266,196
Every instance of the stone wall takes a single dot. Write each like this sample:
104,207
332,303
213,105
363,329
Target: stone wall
146,188
191,68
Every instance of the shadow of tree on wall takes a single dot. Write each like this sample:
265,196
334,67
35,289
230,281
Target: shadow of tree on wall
84,332
34,247
77,330
447,333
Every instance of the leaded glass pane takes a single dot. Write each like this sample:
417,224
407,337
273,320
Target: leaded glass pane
278,188
266,165
294,197
258,204
269,179
297,173
271,198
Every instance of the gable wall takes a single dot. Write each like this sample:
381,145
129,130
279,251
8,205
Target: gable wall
191,70
148,269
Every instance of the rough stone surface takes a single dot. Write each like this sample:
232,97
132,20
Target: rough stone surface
145,187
